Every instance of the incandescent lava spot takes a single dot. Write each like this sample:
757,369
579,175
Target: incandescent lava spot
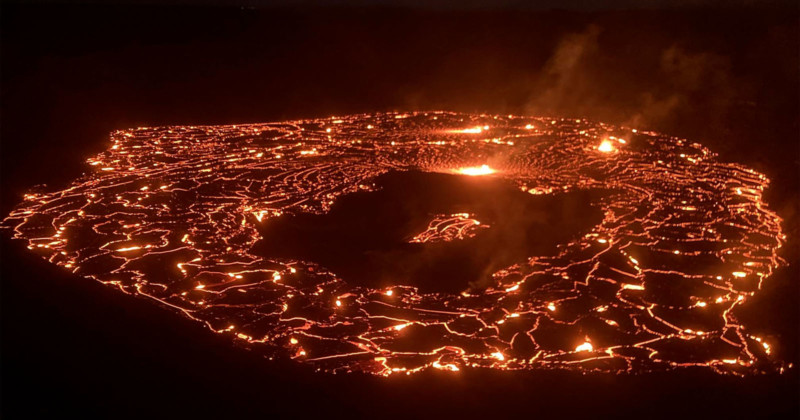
364,238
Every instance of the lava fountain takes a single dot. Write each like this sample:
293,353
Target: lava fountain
476,170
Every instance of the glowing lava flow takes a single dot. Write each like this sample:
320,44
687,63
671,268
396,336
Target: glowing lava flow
170,213
450,227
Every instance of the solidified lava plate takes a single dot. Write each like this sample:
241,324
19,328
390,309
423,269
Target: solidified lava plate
390,243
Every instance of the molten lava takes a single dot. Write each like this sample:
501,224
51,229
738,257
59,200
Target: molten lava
449,227
476,170
606,146
171,214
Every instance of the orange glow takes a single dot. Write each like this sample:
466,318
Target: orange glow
445,228
130,248
606,146
448,366
476,170
633,287
474,130
124,224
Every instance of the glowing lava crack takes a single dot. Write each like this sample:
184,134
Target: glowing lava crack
172,214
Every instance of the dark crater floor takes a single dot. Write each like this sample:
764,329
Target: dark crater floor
364,238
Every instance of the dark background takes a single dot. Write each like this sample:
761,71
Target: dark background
721,73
